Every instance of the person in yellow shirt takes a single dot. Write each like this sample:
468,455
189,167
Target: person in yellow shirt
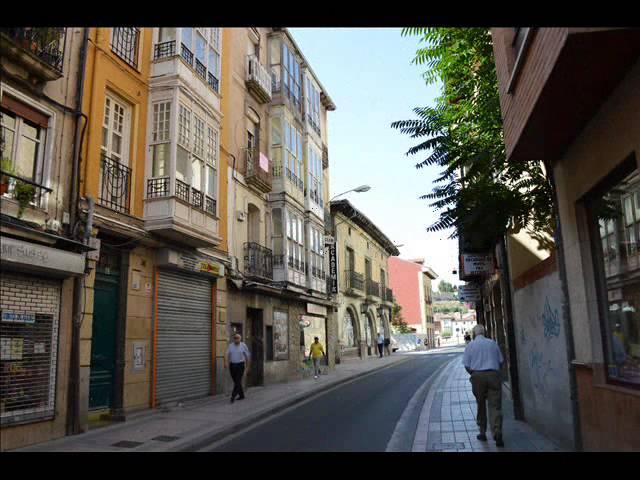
316,352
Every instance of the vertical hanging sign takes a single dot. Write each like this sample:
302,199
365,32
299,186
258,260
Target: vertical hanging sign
333,269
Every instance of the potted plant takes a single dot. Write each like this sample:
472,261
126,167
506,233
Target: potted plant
24,193
7,168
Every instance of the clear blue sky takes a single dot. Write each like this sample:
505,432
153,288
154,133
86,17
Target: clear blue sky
369,75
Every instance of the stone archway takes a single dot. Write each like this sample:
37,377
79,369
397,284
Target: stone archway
370,332
350,333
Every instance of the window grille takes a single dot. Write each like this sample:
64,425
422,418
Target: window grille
125,44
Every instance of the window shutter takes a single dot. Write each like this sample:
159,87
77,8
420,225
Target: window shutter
25,111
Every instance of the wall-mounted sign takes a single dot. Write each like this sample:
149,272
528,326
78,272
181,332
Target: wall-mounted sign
477,264
333,270
14,317
208,267
280,335
26,256
316,309
138,356
468,293
329,240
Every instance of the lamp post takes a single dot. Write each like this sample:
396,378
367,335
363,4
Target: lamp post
360,189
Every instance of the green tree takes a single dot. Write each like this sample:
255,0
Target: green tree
478,193
397,319
445,286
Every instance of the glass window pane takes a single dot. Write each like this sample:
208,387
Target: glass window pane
160,155
187,37
6,144
201,47
196,173
27,154
182,164
628,210
211,181
167,34
116,145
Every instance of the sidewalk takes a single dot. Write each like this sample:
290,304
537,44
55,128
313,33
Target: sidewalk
448,420
198,423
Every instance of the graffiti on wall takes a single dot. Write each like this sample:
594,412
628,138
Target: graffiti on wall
550,320
541,370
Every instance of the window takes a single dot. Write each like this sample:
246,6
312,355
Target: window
291,76
315,187
160,138
295,243
348,330
23,140
205,42
312,105
293,159
115,130
124,43
614,232
316,255
519,38
281,335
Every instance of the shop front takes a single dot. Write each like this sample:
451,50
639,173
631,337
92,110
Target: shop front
314,324
184,328
35,332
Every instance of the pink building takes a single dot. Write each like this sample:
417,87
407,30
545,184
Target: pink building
411,284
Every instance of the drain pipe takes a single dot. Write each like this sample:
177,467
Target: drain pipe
73,405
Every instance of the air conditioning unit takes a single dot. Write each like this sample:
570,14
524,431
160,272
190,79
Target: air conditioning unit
242,216
53,224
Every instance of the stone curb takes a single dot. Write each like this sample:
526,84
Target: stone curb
201,441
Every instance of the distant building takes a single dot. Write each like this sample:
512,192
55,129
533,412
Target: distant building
411,283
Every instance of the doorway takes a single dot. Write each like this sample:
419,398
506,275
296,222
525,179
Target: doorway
255,330
103,338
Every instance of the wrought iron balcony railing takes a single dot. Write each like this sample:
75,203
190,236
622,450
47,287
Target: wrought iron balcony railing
201,69
373,288
213,82
187,54
258,261
258,171
182,190
353,280
13,185
125,43
46,43
158,187
258,79
210,205
115,184
164,50
161,187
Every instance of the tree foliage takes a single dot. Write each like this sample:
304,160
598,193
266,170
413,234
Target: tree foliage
397,320
478,193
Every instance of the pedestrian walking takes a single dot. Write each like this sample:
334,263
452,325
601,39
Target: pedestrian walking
483,360
236,358
380,343
387,346
316,353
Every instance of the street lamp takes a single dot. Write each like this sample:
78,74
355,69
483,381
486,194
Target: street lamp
360,189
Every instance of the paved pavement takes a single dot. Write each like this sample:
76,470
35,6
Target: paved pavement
199,423
360,416
447,422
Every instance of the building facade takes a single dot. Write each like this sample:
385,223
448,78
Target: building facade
274,135
591,144
365,300
411,282
41,257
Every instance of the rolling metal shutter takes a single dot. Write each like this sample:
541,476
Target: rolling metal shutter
184,337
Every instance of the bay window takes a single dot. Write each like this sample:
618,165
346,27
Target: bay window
291,77
295,241
293,159
312,105
316,254
196,156
315,174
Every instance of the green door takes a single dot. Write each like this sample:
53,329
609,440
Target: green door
103,340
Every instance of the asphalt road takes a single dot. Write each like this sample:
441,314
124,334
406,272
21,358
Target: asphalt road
356,417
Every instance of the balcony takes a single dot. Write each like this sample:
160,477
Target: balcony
115,185
22,198
40,51
258,79
388,294
180,213
169,50
258,172
258,261
353,283
373,289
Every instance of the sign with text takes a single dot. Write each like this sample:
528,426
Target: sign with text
317,309
333,270
477,264
329,240
468,293
26,255
14,317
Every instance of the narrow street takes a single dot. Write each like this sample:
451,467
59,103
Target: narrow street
359,416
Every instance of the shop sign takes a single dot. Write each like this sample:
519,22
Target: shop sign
477,264
329,240
316,309
333,270
26,254
138,356
468,293
13,317
212,268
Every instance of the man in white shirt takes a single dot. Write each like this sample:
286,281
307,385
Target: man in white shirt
380,344
237,353
483,360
